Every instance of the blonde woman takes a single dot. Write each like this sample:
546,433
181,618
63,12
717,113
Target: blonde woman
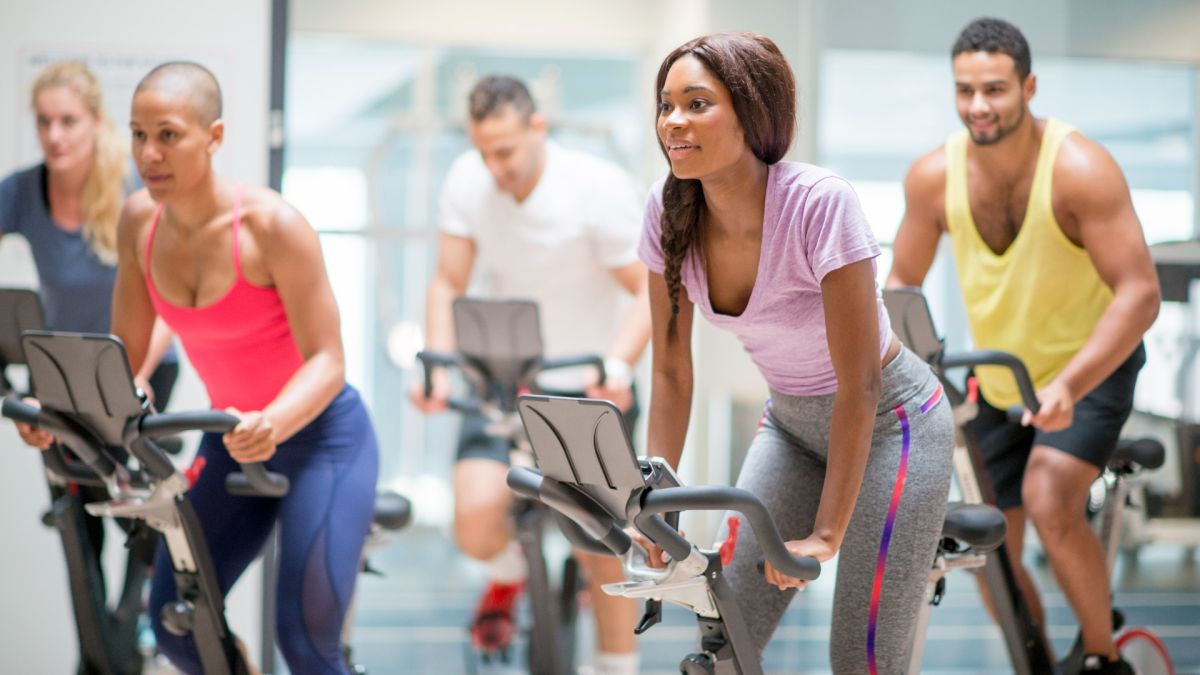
67,206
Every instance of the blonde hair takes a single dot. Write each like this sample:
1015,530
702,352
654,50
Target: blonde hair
104,190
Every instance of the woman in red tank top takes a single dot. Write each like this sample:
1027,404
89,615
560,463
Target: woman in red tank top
238,275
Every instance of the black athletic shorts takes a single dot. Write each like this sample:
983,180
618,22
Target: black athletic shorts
1092,435
474,442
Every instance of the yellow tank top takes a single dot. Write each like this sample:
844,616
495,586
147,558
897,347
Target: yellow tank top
1042,297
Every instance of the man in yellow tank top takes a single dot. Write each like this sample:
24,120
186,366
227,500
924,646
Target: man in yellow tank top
1054,268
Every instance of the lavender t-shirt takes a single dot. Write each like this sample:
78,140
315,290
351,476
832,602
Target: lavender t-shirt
812,225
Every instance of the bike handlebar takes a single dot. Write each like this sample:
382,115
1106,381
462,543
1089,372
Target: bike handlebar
720,498
1003,359
100,464
252,481
431,359
606,535
604,530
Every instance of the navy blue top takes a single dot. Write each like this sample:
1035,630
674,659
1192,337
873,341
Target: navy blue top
75,286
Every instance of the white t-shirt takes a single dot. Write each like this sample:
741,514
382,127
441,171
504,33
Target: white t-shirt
558,247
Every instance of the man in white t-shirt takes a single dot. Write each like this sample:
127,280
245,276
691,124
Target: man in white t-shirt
561,228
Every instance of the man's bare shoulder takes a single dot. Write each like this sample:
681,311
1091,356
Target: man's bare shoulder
925,183
929,170
1084,167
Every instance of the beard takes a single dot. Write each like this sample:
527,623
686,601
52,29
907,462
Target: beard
1000,132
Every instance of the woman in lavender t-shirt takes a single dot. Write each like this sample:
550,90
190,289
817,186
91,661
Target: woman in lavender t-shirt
853,455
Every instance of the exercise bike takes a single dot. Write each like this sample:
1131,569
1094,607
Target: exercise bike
90,403
1025,639
587,471
107,637
499,354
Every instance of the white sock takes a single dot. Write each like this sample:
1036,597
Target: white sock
614,663
508,566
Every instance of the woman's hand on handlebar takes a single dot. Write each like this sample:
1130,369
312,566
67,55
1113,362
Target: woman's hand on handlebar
813,547
35,437
438,399
143,383
253,439
1057,408
655,556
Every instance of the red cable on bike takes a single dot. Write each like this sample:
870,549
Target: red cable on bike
192,473
730,543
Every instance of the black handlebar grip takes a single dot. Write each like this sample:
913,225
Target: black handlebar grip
158,425
20,411
525,482
255,481
583,541
70,434
430,359
761,565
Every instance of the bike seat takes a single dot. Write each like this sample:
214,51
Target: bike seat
1147,453
981,526
392,511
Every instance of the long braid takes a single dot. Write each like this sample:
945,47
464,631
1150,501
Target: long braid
683,204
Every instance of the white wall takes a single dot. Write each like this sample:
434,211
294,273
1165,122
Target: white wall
233,38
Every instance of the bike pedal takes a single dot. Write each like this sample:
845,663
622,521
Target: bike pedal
652,616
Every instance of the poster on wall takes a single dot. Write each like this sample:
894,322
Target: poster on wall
119,71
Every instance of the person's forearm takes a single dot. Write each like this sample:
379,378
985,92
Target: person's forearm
850,435
670,409
306,395
1114,338
160,341
634,333
439,317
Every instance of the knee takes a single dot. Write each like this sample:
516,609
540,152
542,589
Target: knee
1052,514
481,531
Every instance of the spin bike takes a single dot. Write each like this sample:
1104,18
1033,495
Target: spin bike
1025,639
499,354
90,403
107,637
587,471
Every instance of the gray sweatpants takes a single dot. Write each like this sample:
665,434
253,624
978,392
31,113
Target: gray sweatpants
890,544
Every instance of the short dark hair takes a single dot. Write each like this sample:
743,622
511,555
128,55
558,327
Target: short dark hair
995,36
493,92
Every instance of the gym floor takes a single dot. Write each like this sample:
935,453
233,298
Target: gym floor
413,620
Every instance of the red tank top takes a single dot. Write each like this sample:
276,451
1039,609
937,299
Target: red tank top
241,345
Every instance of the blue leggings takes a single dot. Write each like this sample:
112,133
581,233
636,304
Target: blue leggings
332,464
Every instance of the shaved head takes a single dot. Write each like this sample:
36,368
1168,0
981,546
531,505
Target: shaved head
190,81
